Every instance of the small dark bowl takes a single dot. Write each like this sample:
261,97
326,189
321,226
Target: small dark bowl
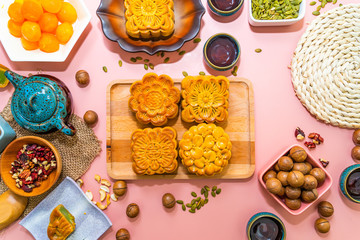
344,178
224,13
265,215
210,41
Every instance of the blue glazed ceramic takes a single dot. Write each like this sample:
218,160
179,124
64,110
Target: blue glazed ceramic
215,9
343,179
41,103
265,215
7,134
223,47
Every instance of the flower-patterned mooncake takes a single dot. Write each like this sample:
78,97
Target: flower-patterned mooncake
205,149
154,151
154,99
148,19
205,99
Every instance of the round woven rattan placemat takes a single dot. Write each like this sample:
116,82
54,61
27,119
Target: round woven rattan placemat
326,67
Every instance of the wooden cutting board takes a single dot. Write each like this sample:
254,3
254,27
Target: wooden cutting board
121,122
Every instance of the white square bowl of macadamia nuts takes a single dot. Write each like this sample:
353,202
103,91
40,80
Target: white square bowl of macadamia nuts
295,179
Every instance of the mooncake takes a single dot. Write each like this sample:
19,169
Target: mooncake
62,223
205,149
149,19
153,151
205,99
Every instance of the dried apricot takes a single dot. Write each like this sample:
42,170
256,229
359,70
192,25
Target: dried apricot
67,13
31,31
14,28
48,22
14,12
29,45
52,6
48,43
32,10
64,32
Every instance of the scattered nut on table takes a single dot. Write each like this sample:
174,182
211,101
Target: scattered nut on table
132,210
90,118
82,78
120,188
122,234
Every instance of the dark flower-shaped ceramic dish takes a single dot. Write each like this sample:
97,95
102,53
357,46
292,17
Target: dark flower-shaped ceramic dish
188,14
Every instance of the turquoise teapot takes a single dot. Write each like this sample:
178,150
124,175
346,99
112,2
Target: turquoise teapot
41,103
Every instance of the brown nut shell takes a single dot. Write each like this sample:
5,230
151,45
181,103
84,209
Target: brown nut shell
90,118
282,192
310,182
293,204
276,167
282,176
269,174
298,154
319,174
168,200
292,193
309,195
356,137
301,167
295,179
273,185
285,163
119,188
322,225
132,210
308,167
122,234
355,153
325,209
82,78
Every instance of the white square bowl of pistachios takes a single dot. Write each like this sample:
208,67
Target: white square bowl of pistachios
276,12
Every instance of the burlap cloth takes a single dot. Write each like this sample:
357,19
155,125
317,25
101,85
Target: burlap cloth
77,152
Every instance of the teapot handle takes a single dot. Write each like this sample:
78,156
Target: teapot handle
68,129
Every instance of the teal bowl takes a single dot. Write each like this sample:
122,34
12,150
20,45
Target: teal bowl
225,10
344,178
221,52
273,217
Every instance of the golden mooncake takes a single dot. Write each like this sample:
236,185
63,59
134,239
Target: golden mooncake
154,99
205,149
149,19
62,223
205,99
154,151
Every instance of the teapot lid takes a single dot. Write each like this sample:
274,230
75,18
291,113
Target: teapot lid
38,102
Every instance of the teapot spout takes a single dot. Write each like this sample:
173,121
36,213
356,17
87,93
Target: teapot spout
14,78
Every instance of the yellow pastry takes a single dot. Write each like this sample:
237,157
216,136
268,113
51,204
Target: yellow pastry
205,99
149,18
154,151
154,99
205,149
62,223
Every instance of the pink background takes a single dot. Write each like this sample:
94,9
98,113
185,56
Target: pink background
277,113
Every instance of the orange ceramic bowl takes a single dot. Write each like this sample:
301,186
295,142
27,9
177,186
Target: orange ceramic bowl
321,188
9,155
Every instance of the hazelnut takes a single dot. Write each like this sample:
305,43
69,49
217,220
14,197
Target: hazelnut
90,118
322,225
356,137
292,193
168,200
325,209
119,188
309,195
310,182
298,154
273,185
269,174
82,78
355,153
122,234
282,176
293,204
301,167
132,210
295,179
319,174
285,163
